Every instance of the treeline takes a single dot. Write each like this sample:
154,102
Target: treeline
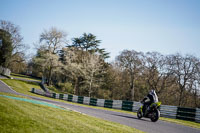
80,68
175,78
12,48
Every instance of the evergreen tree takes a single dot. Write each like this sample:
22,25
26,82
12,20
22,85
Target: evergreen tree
6,48
89,43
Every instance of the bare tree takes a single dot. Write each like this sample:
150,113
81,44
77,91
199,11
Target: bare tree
118,80
195,82
131,61
157,74
92,65
48,63
51,40
183,68
82,65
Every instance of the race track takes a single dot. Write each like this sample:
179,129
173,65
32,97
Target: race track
126,119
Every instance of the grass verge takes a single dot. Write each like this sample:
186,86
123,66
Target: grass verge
21,86
182,122
19,116
24,87
26,77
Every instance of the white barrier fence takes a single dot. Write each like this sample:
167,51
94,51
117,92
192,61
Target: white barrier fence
5,71
190,114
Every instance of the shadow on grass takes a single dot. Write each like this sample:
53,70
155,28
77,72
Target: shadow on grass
28,82
24,76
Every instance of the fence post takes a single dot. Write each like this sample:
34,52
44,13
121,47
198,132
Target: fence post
86,100
93,101
33,90
127,105
70,97
60,96
80,99
186,113
65,97
100,102
197,117
117,104
136,106
168,111
108,103
75,99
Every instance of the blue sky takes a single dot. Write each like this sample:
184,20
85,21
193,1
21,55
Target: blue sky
165,26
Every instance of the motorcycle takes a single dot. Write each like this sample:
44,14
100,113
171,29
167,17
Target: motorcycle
152,112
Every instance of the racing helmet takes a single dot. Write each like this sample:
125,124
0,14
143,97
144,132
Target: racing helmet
152,92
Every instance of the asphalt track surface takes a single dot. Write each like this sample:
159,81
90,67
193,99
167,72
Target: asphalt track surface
126,119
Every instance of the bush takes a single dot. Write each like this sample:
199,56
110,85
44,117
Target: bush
66,87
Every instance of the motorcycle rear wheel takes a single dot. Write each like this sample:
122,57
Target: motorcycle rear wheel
139,113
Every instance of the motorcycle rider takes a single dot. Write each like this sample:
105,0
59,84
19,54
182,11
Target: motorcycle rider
148,100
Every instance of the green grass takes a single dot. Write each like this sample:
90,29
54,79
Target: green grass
53,89
182,122
19,116
26,77
21,86
24,87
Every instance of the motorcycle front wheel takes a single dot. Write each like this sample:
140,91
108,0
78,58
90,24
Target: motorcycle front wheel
155,115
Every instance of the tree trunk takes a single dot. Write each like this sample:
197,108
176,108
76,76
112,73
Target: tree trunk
195,98
132,94
49,77
90,88
180,98
132,87
75,86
